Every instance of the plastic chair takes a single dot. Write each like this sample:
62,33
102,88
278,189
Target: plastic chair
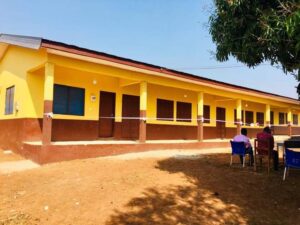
292,160
262,149
238,148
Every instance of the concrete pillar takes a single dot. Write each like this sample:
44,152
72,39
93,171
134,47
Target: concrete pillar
238,116
200,112
268,115
143,111
118,116
289,121
48,103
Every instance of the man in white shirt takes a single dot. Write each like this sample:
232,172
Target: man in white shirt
243,138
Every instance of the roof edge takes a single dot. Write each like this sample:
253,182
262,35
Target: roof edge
22,41
38,42
122,60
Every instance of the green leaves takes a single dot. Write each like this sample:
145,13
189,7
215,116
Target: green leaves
254,31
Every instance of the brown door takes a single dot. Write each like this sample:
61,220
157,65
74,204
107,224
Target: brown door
221,129
131,110
106,114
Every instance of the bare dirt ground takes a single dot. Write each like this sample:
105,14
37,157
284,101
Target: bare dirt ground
127,190
8,156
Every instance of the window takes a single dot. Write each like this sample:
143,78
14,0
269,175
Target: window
68,100
164,109
282,118
249,117
206,112
272,118
235,116
295,119
9,100
260,118
184,112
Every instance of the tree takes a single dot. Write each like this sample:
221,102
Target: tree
254,31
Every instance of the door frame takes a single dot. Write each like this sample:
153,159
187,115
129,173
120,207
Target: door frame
221,130
113,114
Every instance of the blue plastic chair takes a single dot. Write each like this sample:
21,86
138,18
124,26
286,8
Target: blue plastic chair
292,160
238,148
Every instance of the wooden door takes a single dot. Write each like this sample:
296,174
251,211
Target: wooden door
221,116
106,114
131,110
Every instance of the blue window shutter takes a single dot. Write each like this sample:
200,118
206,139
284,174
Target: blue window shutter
68,100
76,101
60,100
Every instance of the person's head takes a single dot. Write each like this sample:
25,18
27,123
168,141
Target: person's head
244,131
267,130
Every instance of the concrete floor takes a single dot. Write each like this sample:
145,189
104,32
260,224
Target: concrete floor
278,138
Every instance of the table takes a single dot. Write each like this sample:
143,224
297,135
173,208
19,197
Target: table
294,149
283,150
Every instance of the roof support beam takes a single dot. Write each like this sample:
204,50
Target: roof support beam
124,82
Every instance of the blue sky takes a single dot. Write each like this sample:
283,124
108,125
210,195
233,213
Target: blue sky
169,33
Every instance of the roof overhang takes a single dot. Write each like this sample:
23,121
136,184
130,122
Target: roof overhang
171,75
74,52
22,41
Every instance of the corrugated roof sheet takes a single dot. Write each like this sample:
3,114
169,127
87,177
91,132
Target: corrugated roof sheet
23,41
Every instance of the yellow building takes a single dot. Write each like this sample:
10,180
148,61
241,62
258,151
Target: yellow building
51,91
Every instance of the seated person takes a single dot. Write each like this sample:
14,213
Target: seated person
243,138
265,136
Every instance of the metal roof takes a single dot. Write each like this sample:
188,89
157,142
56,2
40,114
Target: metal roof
23,41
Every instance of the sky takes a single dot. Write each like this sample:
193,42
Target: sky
167,33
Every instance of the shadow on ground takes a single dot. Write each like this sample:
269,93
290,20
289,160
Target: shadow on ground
217,194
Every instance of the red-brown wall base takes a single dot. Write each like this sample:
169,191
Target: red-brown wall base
118,130
230,132
280,130
295,130
252,132
171,132
14,131
74,130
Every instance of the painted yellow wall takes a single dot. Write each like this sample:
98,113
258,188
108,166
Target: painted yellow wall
75,78
14,69
115,72
29,92
177,95
276,114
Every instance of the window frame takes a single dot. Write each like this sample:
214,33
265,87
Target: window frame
282,116
160,114
272,118
206,113
184,119
247,113
295,119
262,114
69,88
9,100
